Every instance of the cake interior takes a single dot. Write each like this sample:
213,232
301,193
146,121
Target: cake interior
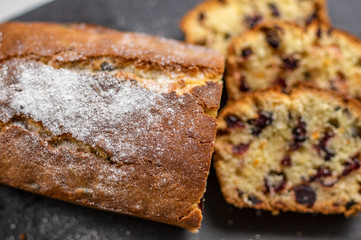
298,152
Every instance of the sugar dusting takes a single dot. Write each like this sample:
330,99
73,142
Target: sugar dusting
92,108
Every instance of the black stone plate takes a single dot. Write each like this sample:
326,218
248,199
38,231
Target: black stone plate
39,217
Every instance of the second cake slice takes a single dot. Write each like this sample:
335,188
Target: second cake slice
297,152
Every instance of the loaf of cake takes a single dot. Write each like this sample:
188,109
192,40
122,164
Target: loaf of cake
122,122
296,151
214,22
283,54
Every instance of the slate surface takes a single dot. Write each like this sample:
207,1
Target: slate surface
43,218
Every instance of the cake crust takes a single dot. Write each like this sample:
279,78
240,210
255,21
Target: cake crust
95,125
68,43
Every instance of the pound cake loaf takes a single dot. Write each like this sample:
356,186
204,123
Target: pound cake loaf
122,122
282,54
298,152
214,22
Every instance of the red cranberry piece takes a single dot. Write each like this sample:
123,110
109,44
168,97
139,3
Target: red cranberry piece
234,122
275,182
240,193
252,21
311,18
352,165
321,172
240,148
254,200
282,83
243,84
322,147
246,52
290,63
350,204
272,37
106,67
274,10
264,119
286,161
299,134
201,16
305,195
319,32
201,204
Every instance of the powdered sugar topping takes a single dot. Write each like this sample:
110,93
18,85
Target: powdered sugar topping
92,108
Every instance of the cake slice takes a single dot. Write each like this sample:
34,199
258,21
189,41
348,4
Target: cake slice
214,22
122,122
291,152
282,54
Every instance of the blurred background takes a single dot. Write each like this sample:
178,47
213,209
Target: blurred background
159,17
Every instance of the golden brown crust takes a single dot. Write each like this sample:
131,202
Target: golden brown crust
30,163
232,196
78,42
209,95
165,189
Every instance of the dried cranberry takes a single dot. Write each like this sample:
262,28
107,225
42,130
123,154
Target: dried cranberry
275,182
201,204
322,147
240,193
321,172
264,119
350,204
254,200
246,52
274,10
281,82
299,134
106,67
240,148
319,32
234,122
290,63
286,161
305,195
272,36
243,84
252,21
352,165
201,16
311,18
